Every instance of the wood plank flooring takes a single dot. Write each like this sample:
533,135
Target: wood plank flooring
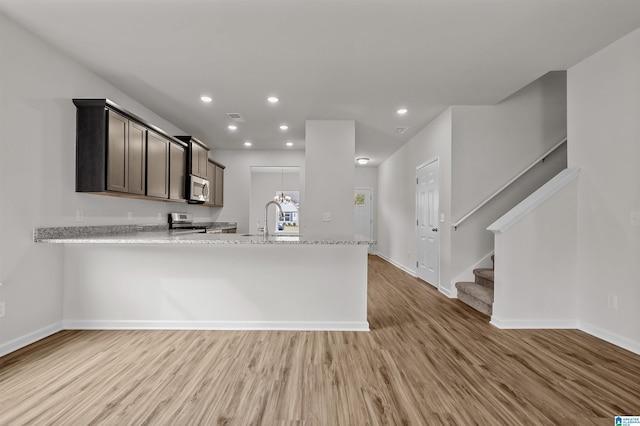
428,360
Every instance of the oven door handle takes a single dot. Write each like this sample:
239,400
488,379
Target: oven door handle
205,190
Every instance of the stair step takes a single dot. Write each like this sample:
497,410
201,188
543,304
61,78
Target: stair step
477,296
484,277
476,290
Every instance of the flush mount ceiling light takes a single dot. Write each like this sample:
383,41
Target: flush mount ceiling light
232,127
362,160
205,98
289,143
273,99
248,143
402,111
283,127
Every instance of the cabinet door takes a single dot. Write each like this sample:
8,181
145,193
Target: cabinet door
137,158
203,160
117,153
212,184
195,159
177,171
157,166
219,190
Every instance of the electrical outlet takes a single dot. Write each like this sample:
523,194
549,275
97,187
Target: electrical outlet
129,215
79,216
159,217
1,309
612,301
326,217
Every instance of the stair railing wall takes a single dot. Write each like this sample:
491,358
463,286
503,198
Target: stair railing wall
535,280
509,183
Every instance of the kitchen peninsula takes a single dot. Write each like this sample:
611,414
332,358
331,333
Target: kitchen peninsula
143,277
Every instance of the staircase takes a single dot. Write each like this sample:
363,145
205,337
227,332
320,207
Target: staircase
479,294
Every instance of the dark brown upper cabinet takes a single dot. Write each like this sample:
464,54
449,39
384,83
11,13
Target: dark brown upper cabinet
198,156
177,171
218,195
157,166
118,153
215,175
211,173
137,160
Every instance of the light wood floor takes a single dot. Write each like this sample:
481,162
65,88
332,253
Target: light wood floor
428,360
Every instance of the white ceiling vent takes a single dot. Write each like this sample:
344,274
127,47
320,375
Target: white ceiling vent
235,116
399,130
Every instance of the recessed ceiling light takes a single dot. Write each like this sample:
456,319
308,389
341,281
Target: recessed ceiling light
362,160
402,111
232,127
283,127
247,143
206,98
289,143
273,99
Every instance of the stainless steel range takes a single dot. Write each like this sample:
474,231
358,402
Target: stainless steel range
182,223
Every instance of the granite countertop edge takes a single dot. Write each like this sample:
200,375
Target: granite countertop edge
159,235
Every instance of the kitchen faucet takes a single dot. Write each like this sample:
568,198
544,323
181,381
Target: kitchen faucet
265,234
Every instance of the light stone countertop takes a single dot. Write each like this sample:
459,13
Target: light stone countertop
153,236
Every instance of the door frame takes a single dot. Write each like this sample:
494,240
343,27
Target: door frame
416,236
355,188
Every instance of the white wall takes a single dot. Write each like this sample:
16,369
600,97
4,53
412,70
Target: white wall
491,145
535,270
494,143
37,176
604,141
329,177
396,211
237,178
480,148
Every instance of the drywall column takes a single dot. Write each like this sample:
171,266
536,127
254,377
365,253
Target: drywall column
604,131
329,177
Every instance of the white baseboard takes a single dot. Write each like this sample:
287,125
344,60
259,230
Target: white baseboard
397,265
446,292
218,325
27,339
612,338
533,323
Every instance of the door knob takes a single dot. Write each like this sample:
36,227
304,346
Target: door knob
434,229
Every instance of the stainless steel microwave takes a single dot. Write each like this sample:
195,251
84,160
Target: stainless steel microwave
198,190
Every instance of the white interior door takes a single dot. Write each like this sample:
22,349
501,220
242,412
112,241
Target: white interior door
362,200
428,237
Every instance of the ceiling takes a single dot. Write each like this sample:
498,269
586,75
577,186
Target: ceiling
324,59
